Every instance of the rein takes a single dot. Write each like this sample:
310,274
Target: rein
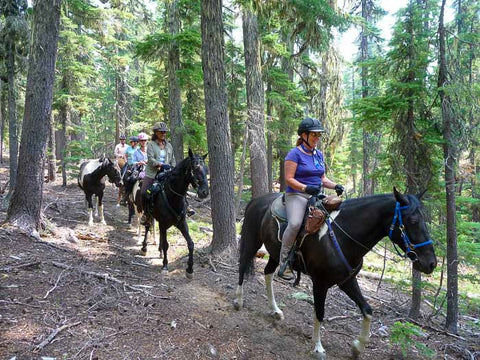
397,217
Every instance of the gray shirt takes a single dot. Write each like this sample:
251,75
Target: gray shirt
153,156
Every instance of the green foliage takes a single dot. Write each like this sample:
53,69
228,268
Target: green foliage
407,335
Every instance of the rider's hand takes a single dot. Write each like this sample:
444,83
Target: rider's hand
166,167
313,190
339,189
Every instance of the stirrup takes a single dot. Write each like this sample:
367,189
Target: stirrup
285,272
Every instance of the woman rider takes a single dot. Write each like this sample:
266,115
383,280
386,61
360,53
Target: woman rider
304,176
160,157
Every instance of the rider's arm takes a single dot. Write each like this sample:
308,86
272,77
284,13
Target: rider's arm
290,169
151,161
329,184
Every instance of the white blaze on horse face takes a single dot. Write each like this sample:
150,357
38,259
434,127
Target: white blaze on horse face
318,351
89,168
277,313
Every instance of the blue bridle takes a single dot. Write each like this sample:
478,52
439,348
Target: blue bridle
412,255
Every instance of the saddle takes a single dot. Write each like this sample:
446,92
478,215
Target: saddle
315,215
318,209
154,190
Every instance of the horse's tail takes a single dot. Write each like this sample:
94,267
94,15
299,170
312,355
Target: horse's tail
251,239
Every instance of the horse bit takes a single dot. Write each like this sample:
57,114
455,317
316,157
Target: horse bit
397,217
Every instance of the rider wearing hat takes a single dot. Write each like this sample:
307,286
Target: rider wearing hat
160,157
304,176
131,149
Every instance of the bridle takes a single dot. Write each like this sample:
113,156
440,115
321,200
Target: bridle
409,247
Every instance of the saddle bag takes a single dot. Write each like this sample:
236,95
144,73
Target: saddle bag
331,202
315,220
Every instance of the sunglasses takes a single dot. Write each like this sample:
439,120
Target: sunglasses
143,140
161,132
316,134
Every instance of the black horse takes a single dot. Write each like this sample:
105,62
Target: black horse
91,180
358,225
170,204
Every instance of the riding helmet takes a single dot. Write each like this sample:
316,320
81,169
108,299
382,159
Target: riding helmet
122,137
142,136
133,138
310,125
160,126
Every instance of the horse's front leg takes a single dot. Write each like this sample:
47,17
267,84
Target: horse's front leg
353,291
163,246
319,296
183,227
88,197
272,304
100,208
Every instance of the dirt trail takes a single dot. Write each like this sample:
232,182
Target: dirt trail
136,312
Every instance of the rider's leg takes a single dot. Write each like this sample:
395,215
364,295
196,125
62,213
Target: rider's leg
295,205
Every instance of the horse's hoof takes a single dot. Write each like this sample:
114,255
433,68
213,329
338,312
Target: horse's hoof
143,252
165,271
189,275
320,354
278,315
237,305
103,222
90,223
356,349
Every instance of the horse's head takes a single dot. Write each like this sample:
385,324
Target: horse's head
198,174
410,233
113,171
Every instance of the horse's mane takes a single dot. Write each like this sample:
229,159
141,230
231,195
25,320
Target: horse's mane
361,202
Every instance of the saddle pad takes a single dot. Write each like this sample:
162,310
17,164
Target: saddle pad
278,209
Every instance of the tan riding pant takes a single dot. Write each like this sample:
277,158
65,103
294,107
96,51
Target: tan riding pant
296,204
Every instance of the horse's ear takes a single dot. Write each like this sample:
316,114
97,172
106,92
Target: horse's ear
110,161
102,157
419,195
190,153
402,199
205,156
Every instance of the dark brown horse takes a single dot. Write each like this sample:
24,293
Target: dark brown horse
169,207
358,225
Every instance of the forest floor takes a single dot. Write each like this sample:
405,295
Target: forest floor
86,293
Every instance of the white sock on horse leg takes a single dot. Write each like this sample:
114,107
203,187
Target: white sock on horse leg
100,211
90,216
318,351
359,344
277,313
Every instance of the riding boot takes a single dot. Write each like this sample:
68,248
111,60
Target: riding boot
285,271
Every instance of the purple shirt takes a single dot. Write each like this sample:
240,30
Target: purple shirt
310,168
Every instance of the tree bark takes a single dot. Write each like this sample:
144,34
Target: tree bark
26,202
174,92
12,113
3,117
449,153
218,129
52,159
255,104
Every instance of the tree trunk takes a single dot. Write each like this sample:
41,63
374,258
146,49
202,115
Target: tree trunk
3,117
12,113
64,122
450,155
269,145
218,129
255,105
26,202
52,159
174,92
121,103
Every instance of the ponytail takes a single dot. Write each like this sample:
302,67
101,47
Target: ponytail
299,141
